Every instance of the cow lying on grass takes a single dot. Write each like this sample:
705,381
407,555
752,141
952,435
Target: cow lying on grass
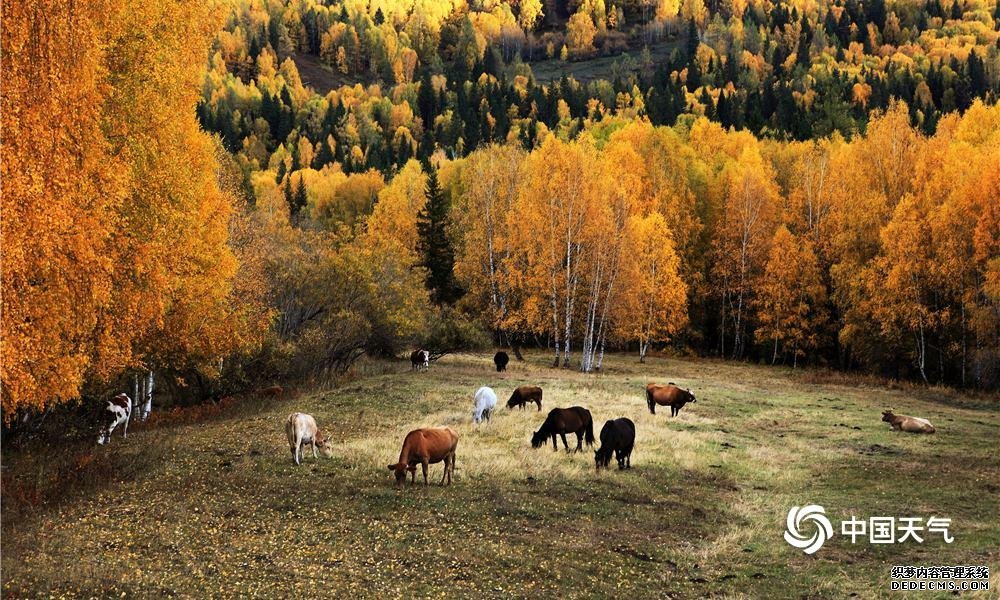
906,423
301,430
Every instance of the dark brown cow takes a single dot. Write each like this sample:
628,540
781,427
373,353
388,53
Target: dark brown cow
426,447
667,395
500,359
525,394
575,419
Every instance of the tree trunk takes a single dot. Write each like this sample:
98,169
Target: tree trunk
922,354
147,405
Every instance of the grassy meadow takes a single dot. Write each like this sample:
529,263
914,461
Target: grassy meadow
217,508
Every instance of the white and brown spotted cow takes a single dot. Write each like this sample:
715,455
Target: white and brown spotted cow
115,413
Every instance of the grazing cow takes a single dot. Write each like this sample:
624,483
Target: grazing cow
906,423
426,447
301,429
483,404
116,412
617,436
420,359
500,359
561,421
525,394
667,395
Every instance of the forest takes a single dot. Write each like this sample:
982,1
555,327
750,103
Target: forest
801,183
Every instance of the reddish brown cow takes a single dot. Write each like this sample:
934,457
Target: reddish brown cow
525,394
667,395
426,447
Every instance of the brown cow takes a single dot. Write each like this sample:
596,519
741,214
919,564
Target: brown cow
667,395
426,446
908,424
525,394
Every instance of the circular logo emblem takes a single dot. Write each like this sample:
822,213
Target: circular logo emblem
799,516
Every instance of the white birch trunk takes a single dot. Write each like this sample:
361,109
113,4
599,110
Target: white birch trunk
147,405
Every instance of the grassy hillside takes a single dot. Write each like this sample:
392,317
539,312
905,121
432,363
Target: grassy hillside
218,508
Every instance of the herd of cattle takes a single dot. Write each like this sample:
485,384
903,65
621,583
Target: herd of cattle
432,445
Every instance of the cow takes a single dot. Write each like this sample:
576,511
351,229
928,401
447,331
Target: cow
117,411
561,421
618,437
426,447
525,394
301,429
667,395
483,404
420,359
906,423
500,359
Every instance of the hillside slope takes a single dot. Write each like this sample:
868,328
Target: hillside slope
219,508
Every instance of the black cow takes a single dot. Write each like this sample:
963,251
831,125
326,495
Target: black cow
500,360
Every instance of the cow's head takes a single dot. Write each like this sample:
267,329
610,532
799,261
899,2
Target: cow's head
400,469
602,457
537,439
887,416
691,397
324,444
108,420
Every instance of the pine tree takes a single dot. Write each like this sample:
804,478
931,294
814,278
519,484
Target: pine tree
300,200
426,100
433,244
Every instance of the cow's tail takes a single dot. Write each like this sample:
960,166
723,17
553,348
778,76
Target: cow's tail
650,402
589,434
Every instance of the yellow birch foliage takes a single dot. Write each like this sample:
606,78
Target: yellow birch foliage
115,229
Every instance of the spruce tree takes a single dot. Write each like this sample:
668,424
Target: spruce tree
433,244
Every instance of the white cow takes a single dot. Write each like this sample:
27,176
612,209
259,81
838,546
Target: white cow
301,430
117,412
483,404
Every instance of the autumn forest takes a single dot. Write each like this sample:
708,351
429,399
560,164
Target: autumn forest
237,192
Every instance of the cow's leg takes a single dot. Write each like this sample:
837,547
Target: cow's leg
423,466
313,443
579,441
125,427
298,451
539,403
565,445
555,444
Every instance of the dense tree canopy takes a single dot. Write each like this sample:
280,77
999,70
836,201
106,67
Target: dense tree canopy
789,182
